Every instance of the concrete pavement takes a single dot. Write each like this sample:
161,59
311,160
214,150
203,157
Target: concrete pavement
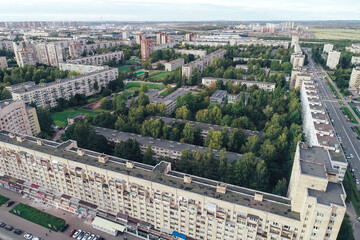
40,231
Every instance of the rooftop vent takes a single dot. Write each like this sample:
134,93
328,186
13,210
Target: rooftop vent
80,152
304,146
11,135
40,142
221,188
20,138
187,179
258,197
103,158
130,164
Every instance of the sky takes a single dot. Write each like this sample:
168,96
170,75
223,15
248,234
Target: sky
180,10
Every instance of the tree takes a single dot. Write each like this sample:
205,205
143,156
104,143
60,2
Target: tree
236,140
105,104
144,87
182,113
185,161
188,133
346,230
45,120
129,149
148,157
143,99
96,86
281,187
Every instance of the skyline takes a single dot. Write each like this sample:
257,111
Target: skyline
201,10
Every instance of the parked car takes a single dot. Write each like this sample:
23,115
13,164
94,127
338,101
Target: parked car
2,225
36,238
10,203
351,155
358,218
91,237
63,228
28,236
71,233
85,237
18,231
9,228
356,181
81,235
97,237
77,233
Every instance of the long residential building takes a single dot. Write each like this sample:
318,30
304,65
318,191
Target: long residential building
80,68
201,63
17,118
47,94
172,65
354,82
98,59
159,203
298,75
204,127
169,100
7,45
268,86
76,49
196,53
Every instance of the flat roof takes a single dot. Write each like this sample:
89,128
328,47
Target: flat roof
219,94
203,126
237,195
239,80
107,224
333,194
171,97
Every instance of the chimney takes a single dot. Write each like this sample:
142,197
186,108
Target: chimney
130,164
258,196
221,188
20,138
187,179
11,135
80,152
103,158
40,142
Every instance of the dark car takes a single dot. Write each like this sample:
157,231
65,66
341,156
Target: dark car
10,203
2,225
358,137
63,228
8,227
72,232
18,231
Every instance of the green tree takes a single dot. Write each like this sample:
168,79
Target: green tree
144,87
346,230
281,187
45,120
105,104
148,157
182,113
188,133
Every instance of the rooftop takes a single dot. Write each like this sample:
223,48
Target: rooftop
237,80
333,194
219,94
171,97
234,194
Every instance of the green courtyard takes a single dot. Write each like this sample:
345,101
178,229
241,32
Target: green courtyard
60,118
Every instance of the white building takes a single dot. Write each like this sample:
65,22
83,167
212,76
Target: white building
354,82
196,53
80,68
99,59
268,86
355,60
3,63
333,59
297,60
294,40
172,65
328,48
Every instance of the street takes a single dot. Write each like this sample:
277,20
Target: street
350,143
39,231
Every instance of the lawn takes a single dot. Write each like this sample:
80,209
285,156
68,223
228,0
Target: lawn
150,85
60,118
37,216
164,93
354,109
126,68
333,90
349,114
140,73
335,33
159,76
351,191
3,200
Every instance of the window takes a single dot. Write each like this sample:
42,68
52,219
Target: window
320,214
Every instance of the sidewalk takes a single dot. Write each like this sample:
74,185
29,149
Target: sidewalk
39,231
356,224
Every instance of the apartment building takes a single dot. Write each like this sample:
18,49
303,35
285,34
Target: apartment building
159,203
49,54
298,75
3,63
204,127
146,49
261,85
172,65
161,147
355,60
354,82
328,48
80,68
201,63
295,39
7,45
318,128
354,48
190,37
218,96
98,59
163,38
169,100
76,48
139,37
25,53
297,60
17,118
333,59
47,94
196,53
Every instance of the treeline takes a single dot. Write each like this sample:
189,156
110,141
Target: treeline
128,50
37,74
169,55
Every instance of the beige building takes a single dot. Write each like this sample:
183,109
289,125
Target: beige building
76,49
297,60
49,54
98,59
328,48
354,82
157,201
295,40
3,63
196,53
298,75
268,86
333,59
47,94
24,54
18,118
172,65
80,68
7,45
355,60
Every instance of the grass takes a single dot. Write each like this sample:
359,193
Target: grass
149,85
333,90
159,76
3,200
126,68
336,33
39,217
349,114
164,93
354,109
60,118
357,130
351,191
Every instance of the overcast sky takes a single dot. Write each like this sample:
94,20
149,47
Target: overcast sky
182,10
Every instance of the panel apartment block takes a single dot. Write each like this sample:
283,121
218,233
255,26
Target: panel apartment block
268,86
98,59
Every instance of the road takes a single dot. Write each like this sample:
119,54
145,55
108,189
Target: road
350,143
40,231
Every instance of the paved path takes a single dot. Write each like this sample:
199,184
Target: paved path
355,223
40,231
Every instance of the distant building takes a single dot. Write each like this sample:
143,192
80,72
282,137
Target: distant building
328,48
294,40
3,63
139,37
163,38
169,100
354,82
333,59
172,65
7,45
190,37
218,96
146,49
99,59
80,68
355,48
17,118
24,54
355,60
196,53
268,86
297,60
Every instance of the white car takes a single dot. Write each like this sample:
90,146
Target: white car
76,234
351,155
357,181
36,238
28,236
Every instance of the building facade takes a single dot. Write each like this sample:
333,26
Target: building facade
333,59
172,65
3,63
98,59
297,60
355,60
47,94
146,49
157,200
354,82
261,85
328,48
196,53
17,118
